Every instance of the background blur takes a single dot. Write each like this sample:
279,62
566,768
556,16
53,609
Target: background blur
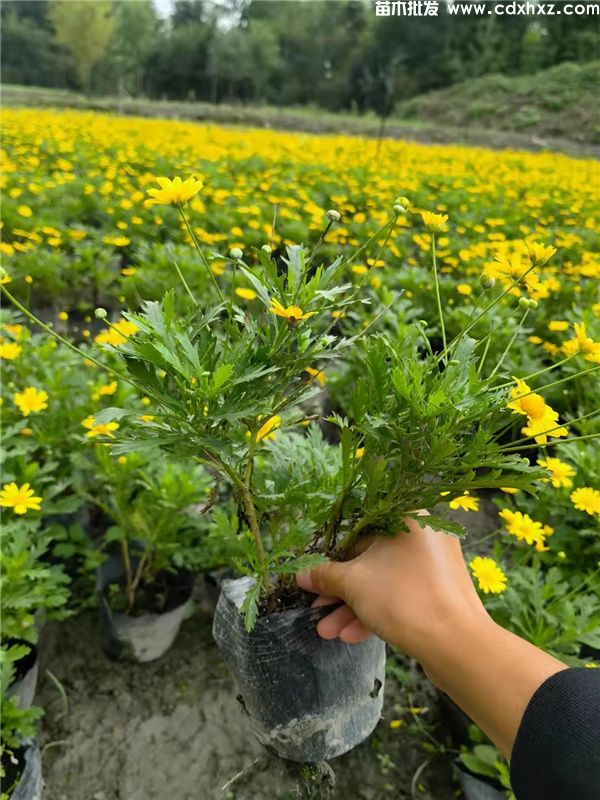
335,55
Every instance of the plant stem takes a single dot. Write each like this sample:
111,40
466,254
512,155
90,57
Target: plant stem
548,385
438,298
136,580
514,445
493,303
392,220
511,341
62,340
553,444
201,254
541,372
484,354
128,572
183,280
319,242
250,511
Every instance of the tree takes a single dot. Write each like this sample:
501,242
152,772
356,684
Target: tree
85,29
30,53
136,33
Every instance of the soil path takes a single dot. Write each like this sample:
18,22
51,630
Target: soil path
173,729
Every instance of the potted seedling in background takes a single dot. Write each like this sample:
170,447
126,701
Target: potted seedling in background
21,761
155,529
483,773
28,586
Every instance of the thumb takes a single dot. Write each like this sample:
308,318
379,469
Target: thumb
328,579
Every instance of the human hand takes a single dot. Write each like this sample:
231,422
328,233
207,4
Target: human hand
408,589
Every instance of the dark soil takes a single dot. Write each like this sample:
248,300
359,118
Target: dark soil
168,590
286,595
12,769
173,728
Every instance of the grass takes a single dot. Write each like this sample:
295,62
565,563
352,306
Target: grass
563,101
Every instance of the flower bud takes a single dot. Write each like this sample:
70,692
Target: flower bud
423,323
523,303
533,304
100,313
333,215
236,253
487,281
403,203
266,248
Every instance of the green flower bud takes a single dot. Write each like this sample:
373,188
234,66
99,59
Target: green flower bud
487,282
523,303
236,253
533,304
100,313
403,203
333,215
266,248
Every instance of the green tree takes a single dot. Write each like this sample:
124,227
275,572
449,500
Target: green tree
85,29
136,33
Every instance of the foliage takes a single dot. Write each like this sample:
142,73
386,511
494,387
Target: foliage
424,425
153,514
18,724
482,758
85,29
28,583
550,610
331,55
550,102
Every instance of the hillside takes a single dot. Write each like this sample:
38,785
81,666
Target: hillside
562,102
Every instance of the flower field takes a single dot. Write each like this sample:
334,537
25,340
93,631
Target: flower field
433,247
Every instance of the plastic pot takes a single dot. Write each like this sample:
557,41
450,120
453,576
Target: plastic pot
475,787
148,636
30,783
26,675
308,699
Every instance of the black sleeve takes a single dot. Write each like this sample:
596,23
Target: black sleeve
556,755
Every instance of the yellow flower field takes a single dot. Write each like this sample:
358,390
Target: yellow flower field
184,387
73,178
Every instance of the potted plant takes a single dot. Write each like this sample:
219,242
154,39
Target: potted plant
153,511
483,773
20,758
230,386
28,586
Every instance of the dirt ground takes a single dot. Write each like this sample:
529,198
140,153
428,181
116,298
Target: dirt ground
173,729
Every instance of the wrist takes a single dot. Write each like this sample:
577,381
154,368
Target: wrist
451,641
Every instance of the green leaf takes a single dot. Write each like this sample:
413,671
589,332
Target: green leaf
304,562
220,376
250,607
110,415
439,523
477,765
